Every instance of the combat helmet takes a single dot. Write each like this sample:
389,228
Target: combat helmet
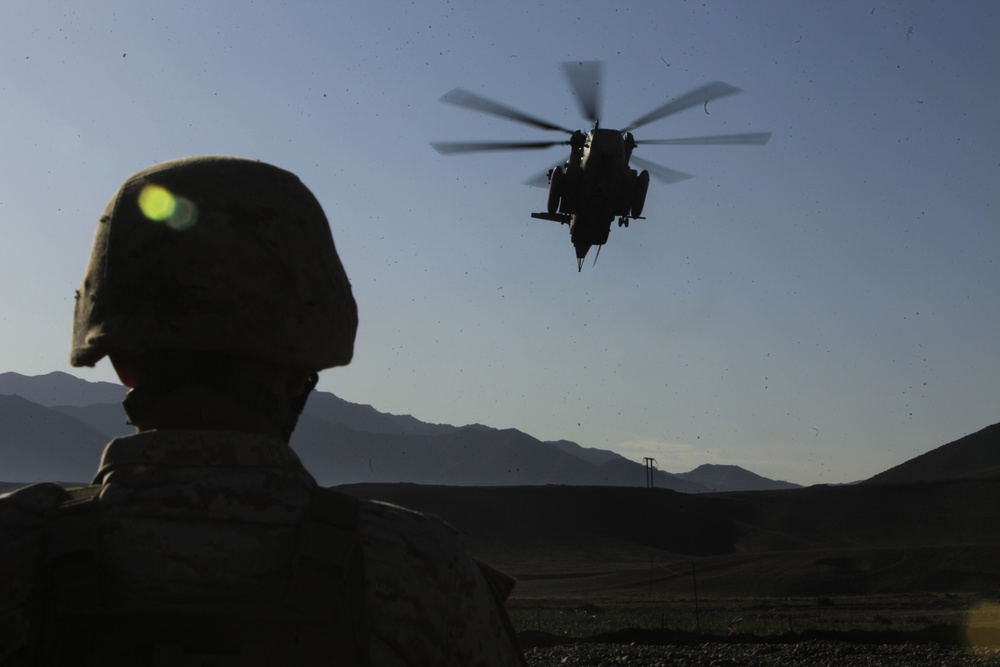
217,254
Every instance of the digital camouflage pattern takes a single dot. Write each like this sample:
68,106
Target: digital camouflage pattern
201,516
220,254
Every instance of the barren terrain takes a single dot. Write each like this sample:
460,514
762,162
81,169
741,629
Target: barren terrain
887,560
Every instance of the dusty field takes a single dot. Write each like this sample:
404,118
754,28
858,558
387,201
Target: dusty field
913,630
642,572
804,654
941,617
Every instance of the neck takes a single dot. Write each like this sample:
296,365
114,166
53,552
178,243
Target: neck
202,409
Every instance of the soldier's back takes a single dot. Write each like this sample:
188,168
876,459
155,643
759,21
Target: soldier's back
222,543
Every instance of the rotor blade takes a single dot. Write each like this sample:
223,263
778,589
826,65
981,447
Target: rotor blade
661,173
702,95
463,98
452,147
585,79
754,138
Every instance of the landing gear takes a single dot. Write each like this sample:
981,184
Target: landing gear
623,222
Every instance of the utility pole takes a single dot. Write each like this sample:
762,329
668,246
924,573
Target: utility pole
650,463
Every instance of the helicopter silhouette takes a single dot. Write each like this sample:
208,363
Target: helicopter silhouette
596,183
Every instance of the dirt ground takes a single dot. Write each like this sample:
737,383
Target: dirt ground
960,619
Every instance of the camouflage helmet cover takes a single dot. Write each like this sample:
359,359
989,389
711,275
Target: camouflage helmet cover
215,254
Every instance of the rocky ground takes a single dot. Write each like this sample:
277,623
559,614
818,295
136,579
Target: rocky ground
808,653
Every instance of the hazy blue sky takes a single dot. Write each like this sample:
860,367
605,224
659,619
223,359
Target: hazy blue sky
817,309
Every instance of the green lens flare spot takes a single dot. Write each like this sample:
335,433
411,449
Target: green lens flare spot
156,203
160,205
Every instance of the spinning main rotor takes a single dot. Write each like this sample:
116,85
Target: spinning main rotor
584,79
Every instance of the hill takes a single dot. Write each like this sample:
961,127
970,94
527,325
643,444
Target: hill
726,478
975,455
894,536
830,540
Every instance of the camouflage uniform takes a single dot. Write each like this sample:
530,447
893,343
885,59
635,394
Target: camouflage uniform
192,540
195,515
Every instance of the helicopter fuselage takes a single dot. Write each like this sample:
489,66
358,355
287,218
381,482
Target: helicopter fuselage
595,185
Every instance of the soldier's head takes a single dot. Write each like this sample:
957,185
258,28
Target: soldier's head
220,275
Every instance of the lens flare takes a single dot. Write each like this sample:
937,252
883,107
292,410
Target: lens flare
160,205
157,203
185,214
982,623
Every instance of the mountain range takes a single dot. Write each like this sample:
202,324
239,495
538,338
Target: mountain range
55,426
573,522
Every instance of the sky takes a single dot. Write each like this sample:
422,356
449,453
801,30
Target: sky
816,310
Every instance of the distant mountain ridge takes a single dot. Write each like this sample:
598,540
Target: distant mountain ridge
54,427
33,441
58,388
728,478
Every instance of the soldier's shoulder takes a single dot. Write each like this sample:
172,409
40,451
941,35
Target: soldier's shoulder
422,533
34,498
25,511
391,535
428,596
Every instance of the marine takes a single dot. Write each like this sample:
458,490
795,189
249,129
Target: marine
215,289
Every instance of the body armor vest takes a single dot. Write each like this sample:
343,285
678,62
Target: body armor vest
310,614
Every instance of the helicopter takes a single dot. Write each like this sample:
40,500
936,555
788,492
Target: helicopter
596,183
